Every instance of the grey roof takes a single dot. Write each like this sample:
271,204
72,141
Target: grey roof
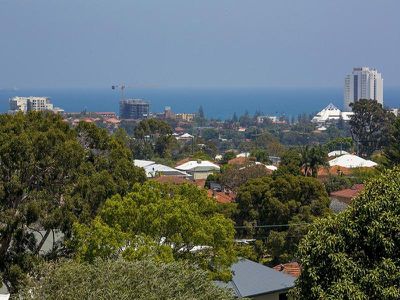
154,169
250,279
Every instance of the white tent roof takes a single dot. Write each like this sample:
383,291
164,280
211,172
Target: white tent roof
337,153
142,163
194,165
351,161
328,113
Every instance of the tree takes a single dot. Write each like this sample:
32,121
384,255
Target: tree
312,158
392,150
122,279
50,176
260,155
290,163
153,137
227,157
288,199
355,254
166,222
370,126
235,176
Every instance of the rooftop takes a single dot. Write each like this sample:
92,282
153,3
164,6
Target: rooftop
251,279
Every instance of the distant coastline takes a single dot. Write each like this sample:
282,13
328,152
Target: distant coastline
218,103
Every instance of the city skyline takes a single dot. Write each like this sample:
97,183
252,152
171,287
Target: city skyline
203,44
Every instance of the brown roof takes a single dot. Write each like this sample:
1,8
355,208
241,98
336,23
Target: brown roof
292,268
172,179
346,195
239,161
335,170
221,197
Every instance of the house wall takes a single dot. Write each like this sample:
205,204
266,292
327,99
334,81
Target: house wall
273,296
201,175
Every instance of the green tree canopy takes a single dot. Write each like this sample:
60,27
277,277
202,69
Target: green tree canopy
122,279
355,254
50,176
392,150
161,221
281,200
370,126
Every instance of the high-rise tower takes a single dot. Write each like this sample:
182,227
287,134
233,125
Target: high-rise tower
363,83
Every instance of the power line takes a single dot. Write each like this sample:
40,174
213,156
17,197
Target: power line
272,225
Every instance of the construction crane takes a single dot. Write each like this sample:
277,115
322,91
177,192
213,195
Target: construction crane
120,87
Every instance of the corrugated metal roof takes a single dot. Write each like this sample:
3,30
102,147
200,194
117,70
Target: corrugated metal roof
250,279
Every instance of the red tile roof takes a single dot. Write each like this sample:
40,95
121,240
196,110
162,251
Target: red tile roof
222,197
347,195
292,268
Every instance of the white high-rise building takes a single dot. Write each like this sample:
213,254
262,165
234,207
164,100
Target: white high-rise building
25,104
363,83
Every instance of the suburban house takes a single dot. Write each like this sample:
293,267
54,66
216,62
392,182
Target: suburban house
199,169
256,281
153,170
341,199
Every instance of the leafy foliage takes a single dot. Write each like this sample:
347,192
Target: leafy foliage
355,255
122,279
392,150
370,125
164,222
51,176
286,199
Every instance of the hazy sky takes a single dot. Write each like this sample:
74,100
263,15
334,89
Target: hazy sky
70,43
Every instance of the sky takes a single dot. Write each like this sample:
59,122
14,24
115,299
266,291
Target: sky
196,43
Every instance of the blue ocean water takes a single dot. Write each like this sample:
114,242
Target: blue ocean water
218,103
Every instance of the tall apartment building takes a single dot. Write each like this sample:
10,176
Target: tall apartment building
363,83
26,104
135,109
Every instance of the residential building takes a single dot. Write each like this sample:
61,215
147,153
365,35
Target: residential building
134,109
153,169
342,198
185,117
256,281
199,169
25,104
363,83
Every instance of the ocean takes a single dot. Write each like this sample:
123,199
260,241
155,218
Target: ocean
218,103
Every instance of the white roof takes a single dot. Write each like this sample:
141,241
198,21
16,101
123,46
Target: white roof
218,157
328,113
142,163
351,161
202,165
243,154
186,136
155,169
337,153
331,112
